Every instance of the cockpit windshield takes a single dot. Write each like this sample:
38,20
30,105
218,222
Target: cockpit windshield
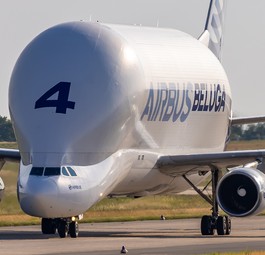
52,171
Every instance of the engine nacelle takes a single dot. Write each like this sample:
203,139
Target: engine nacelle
240,193
2,189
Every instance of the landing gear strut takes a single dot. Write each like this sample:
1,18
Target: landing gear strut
210,223
64,226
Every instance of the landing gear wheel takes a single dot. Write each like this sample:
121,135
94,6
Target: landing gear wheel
73,229
48,226
221,225
228,225
63,229
209,223
206,225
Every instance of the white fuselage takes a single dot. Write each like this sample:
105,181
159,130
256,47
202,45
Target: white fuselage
134,94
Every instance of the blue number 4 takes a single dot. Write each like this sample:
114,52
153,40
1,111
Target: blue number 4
61,103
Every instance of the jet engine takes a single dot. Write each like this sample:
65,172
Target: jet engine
240,193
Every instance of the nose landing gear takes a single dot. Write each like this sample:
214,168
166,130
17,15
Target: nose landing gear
64,226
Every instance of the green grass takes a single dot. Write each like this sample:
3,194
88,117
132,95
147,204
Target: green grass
10,205
151,202
246,145
147,208
8,145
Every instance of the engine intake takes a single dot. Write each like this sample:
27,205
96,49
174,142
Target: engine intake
240,193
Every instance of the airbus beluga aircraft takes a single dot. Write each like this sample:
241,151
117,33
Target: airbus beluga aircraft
119,110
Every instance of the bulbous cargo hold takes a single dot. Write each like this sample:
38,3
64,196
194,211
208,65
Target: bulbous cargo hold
72,95
241,192
93,89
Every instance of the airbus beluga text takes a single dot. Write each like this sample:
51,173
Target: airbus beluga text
103,109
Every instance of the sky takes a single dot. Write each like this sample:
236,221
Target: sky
244,35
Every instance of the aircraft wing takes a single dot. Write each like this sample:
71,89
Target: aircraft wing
247,120
177,165
8,155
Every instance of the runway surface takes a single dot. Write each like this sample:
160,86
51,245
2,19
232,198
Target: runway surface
146,237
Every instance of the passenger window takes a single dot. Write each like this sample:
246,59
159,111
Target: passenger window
65,172
50,171
37,171
71,171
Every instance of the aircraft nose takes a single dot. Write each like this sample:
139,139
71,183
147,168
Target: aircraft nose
39,196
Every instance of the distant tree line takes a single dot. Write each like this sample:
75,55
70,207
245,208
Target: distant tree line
238,132
6,130
248,132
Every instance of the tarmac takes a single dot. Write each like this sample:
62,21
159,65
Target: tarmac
140,237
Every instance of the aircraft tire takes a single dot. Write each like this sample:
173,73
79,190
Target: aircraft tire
206,225
63,229
228,225
74,229
221,225
48,226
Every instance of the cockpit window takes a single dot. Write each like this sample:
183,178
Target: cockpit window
50,171
64,171
71,171
38,171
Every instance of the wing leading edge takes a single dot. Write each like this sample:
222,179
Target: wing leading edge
247,120
8,155
177,165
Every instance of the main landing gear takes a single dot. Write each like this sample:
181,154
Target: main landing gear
64,226
210,223
221,223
